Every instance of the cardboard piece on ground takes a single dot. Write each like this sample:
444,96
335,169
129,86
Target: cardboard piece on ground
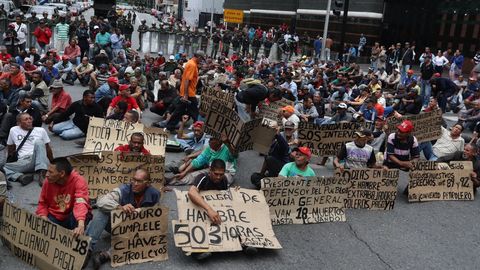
40,242
440,185
427,125
374,189
325,140
107,171
296,200
210,95
270,111
139,237
245,222
106,135
252,135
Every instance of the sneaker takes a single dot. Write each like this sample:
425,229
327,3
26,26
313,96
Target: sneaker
201,256
189,151
100,258
40,176
250,251
25,179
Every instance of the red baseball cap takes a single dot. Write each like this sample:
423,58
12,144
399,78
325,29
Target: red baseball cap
65,57
112,80
406,126
198,124
304,150
123,87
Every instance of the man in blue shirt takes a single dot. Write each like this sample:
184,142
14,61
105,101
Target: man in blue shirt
50,73
128,197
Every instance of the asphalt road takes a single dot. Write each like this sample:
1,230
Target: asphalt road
435,235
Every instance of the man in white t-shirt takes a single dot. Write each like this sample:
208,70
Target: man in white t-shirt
33,156
288,114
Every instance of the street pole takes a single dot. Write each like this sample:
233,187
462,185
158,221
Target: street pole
211,18
344,23
325,30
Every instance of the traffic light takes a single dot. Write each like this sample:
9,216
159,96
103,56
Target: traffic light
338,7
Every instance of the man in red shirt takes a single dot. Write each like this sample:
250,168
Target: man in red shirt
43,35
61,100
64,197
4,55
16,76
135,145
123,95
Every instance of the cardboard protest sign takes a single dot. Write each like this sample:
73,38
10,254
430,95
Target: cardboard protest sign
40,242
140,236
106,135
211,95
427,125
428,183
244,216
256,135
242,136
325,140
374,189
270,111
296,200
111,169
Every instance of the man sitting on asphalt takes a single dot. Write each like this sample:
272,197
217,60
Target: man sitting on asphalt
193,141
217,149
402,147
135,145
78,126
357,154
105,93
128,197
300,166
9,119
213,179
64,197
61,101
28,150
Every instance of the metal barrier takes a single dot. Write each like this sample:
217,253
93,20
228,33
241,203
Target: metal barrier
172,43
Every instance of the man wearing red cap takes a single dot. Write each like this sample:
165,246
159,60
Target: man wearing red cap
402,147
124,95
300,166
64,67
105,93
194,141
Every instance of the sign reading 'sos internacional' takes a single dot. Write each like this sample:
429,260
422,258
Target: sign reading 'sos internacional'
40,242
233,15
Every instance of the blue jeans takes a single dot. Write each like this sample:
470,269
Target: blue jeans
190,144
100,222
425,91
67,130
403,73
27,164
427,149
69,223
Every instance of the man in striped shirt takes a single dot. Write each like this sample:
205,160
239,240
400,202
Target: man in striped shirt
61,30
402,147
